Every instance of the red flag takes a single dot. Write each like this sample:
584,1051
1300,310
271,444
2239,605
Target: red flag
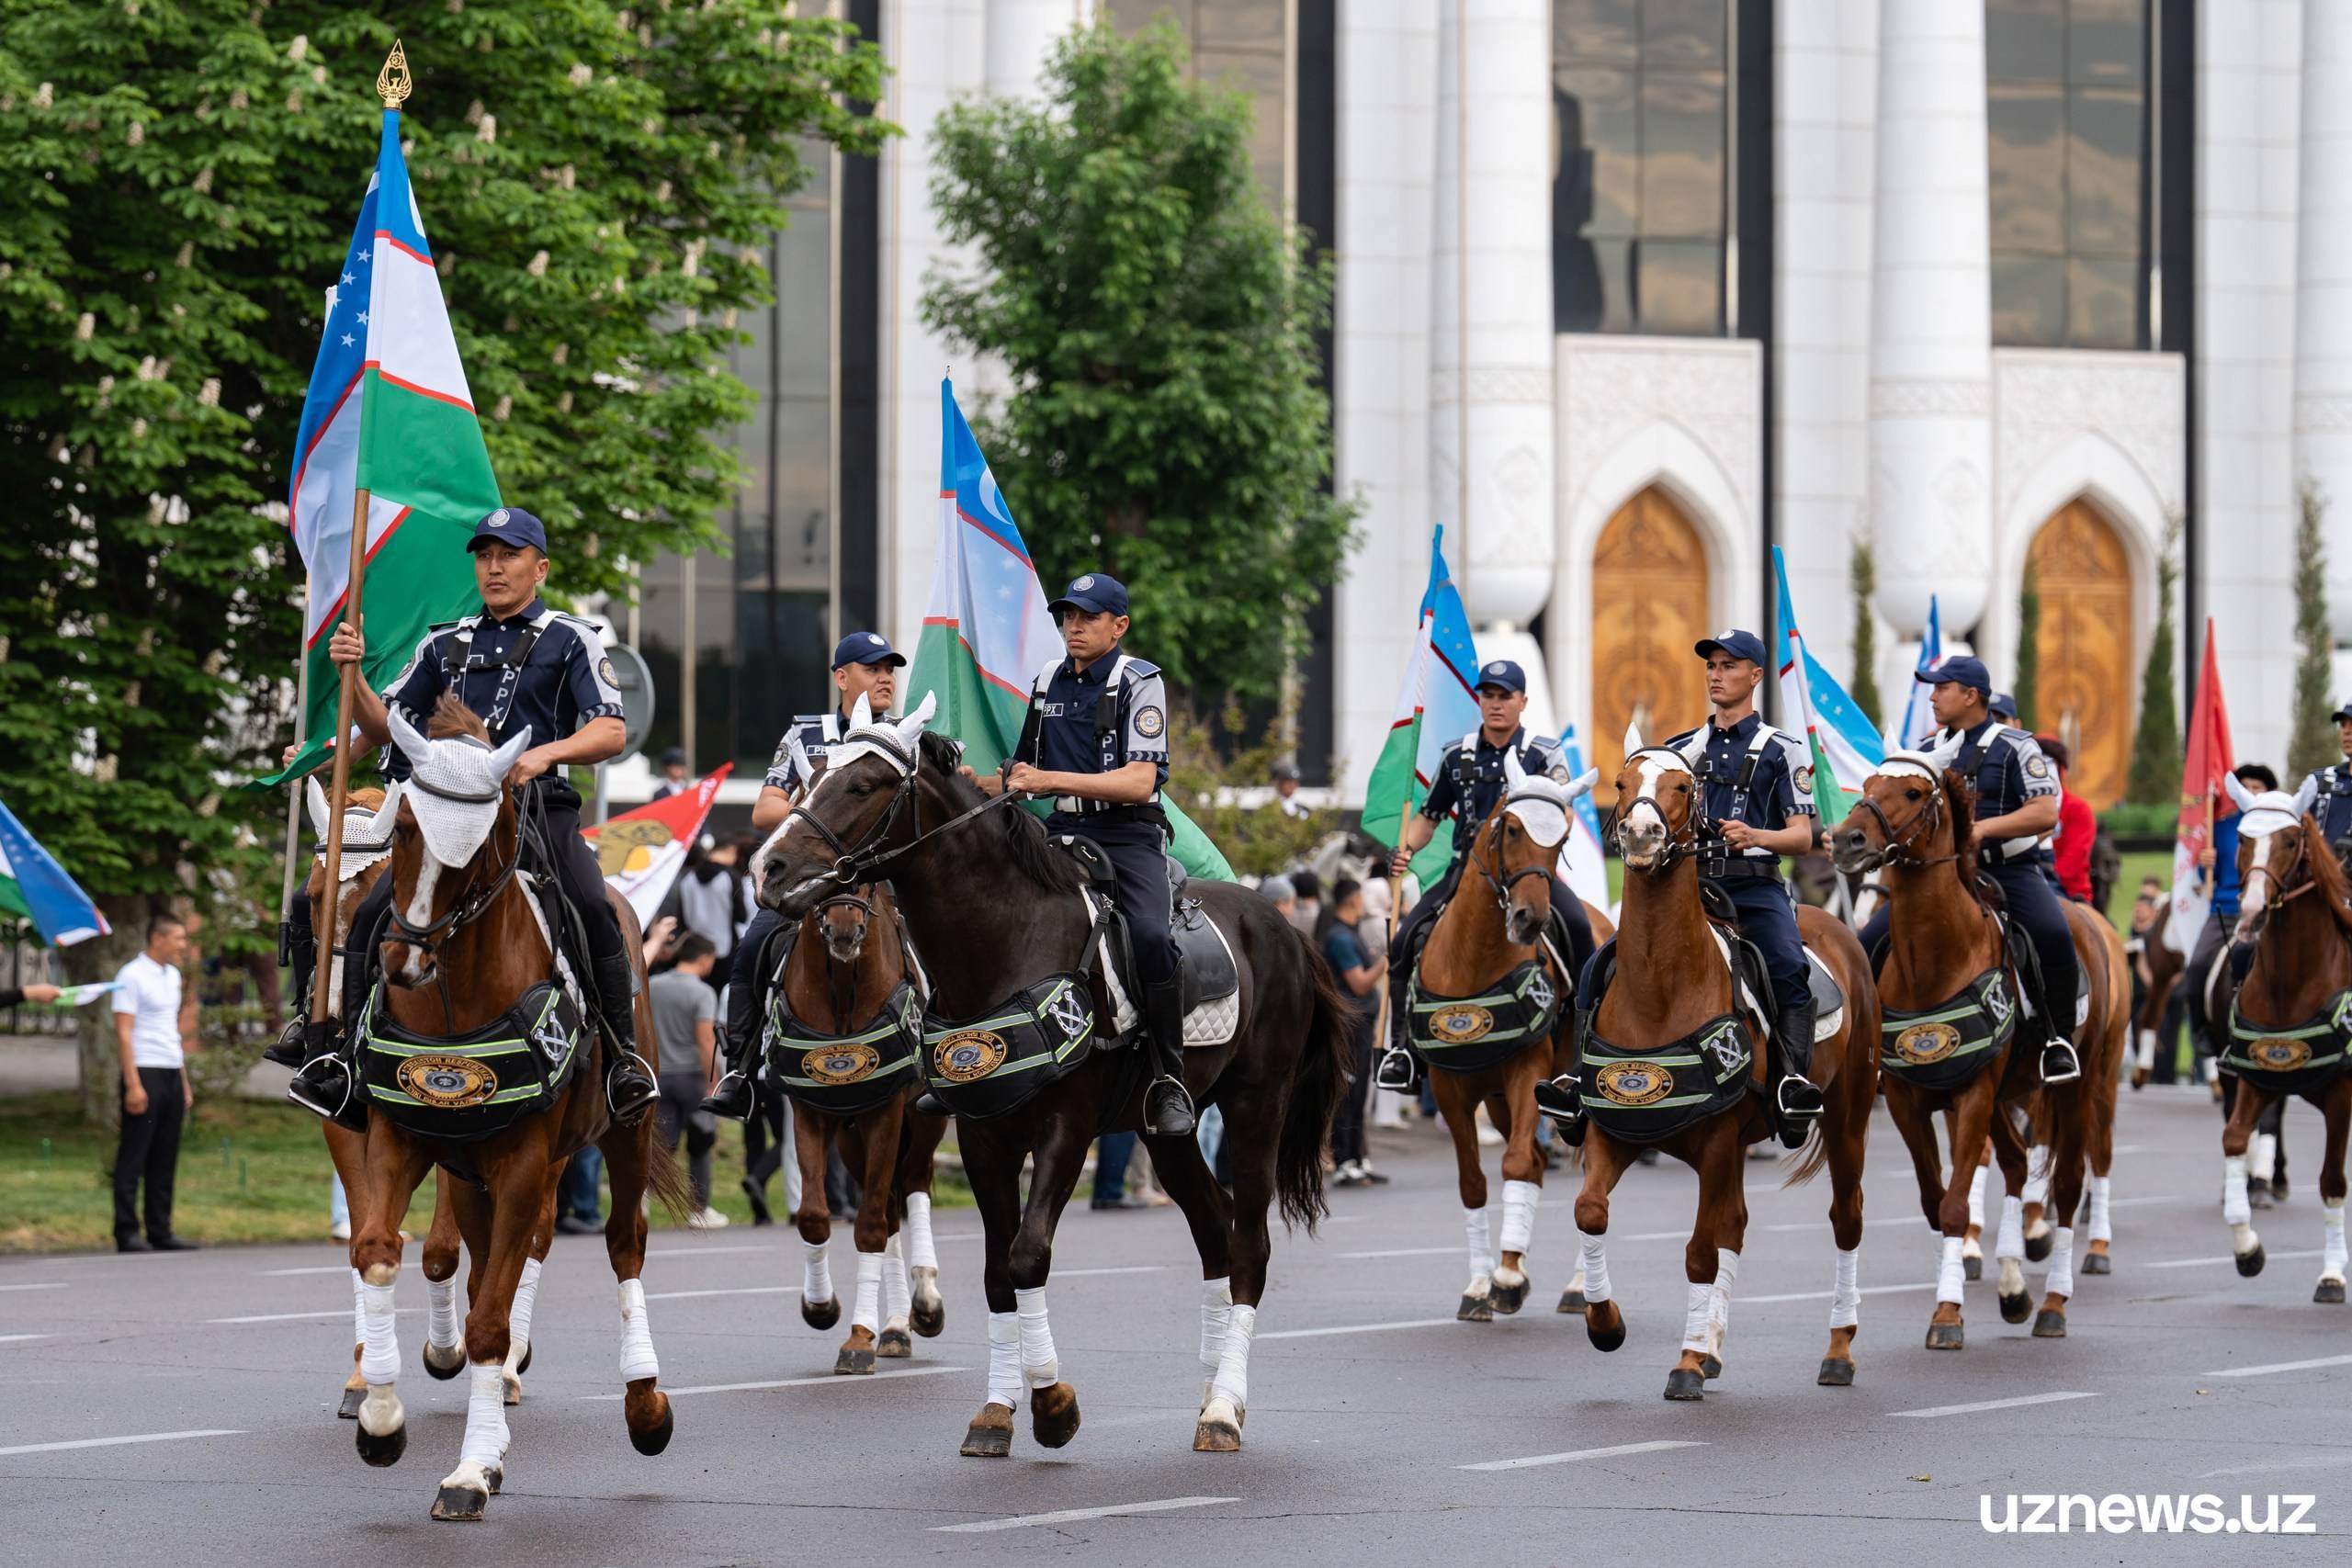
642,852
2203,799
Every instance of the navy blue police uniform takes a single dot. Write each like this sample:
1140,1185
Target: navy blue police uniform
2332,791
1754,773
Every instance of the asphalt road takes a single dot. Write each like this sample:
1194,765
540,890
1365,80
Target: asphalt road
184,1405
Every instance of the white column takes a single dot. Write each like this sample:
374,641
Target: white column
1021,34
2324,294
1930,394
1490,374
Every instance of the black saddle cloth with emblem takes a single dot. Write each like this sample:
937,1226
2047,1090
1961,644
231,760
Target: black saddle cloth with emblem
2304,1059
465,1088
1469,1035
998,1062
1645,1094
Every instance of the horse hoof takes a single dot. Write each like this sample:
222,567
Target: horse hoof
2015,1309
929,1318
1571,1301
854,1363
497,1477
1710,1367
1947,1336
1973,1268
1508,1299
988,1442
513,1385
1216,1437
894,1345
525,1364
438,1371
2250,1263
384,1450
1683,1383
1836,1373
1053,1414
1604,1340
821,1315
459,1504
2049,1323
352,1398
2037,1248
652,1439
2096,1263
1475,1309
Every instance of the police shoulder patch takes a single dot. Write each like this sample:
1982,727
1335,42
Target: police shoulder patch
2037,766
1150,723
1803,778
604,673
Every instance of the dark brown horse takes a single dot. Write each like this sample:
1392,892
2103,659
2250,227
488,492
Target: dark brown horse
998,914
2160,968
466,942
1489,940
849,1015
2287,1032
1672,1026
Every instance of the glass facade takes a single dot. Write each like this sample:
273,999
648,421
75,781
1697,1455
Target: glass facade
2067,115
1642,101
1244,45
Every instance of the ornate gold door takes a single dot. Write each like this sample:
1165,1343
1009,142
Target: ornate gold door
1649,605
2085,648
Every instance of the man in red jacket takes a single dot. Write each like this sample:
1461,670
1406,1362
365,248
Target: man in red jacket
2078,827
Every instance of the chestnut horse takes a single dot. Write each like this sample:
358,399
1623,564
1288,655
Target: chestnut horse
467,942
2288,1031
850,1013
1674,989
1488,940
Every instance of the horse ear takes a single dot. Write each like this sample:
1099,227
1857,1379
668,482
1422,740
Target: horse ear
862,715
801,766
1632,738
1583,782
1946,753
504,757
2303,796
2240,796
405,736
389,813
1696,747
1514,775
316,799
910,728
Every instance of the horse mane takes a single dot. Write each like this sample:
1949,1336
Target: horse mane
1960,801
451,718
1025,842
2328,871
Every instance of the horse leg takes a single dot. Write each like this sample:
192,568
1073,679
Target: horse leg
2037,1179
863,1149
1604,1162
929,1312
2337,1108
629,1152
2070,1121
1847,1138
811,1131
2010,1244
1969,1116
1522,1183
1711,1261
994,1173
498,1230
348,1150
444,1357
2246,1104
526,1288
394,1167
1459,1107
1184,1176
1062,1154
1972,1245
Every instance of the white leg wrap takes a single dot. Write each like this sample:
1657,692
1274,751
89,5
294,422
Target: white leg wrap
2102,1227
637,1360
485,1419
518,1315
2037,1174
2332,1259
2061,1279
2011,1243
1719,1309
379,1358
1950,1274
2265,1157
897,1297
1696,1314
1846,1301
816,1273
1595,1268
2236,1208
1004,1359
1519,1199
2144,1052
866,1312
1481,1243
1040,1368
441,1313
359,1309
1216,1316
920,1254
1232,1380
1976,1198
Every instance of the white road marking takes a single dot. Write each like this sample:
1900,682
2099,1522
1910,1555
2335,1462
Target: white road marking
1131,1269
738,1291
1825,1295
41,1285
2281,1367
1455,1249
341,1312
1573,1456
19,1338
2316,1462
1067,1515
117,1442
1993,1404
702,1251
1357,1328
343,1268
828,1380
2223,1257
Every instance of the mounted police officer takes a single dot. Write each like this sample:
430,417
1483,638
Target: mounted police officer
2332,799
1755,783
2016,803
864,665
1096,740
1469,782
520,666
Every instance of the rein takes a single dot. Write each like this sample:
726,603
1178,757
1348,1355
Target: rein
853,865
477,902
1901,849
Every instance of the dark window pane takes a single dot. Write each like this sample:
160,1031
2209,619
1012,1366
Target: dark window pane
1592,288
1682,156
2025,40
1682,35
782,642
2104,42
1597,32
2026,164
804,305
2103,159
2103,302
2029,301
1680,288
1246,22
804,492
1600,150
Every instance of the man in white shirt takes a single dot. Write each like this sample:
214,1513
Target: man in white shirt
154,1028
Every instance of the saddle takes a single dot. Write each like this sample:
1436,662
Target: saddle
1755,981
1208,979
468,1087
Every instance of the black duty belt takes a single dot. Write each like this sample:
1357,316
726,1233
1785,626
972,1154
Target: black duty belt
1941,1048
2301,1060
466,1087
1735,866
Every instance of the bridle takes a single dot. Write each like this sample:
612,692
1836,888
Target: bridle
1680,844
477,902
2250,932
1502,885
861,862
1902,849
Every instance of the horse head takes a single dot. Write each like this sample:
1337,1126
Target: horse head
1901,815
455,833
844,918
858,806
1658,801
1522,844
2278,850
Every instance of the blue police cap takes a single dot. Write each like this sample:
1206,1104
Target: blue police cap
1096,594
867,648
2001,704
1961,670
1737,643
509,526
1504,673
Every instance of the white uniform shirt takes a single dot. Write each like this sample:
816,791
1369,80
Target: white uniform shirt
151,994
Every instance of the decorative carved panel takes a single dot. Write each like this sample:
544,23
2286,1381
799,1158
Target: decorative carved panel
1649,605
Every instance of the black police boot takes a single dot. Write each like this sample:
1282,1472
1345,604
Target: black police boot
1557,1099
1167,1108
298,949
325,1085
2059,1063
1796,1102
732,1097
629,1088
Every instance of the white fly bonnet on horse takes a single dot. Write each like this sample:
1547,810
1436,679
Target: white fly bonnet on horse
870,737
1540,802
2265,812
1929,765
366,835
453,788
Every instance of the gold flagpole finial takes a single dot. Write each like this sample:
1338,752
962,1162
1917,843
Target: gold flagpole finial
392,83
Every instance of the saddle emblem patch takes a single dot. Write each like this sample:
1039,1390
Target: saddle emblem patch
1461,1025
1068,1014
969,1053
1635,1083
841,1064
445,1083
1924,1043
1996,1001
2278,1054
1538,991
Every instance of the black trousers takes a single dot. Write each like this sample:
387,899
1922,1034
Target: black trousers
150,1152
1347,1120
1138,853
680,1109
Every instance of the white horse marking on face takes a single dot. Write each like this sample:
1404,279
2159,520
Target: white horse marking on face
419,914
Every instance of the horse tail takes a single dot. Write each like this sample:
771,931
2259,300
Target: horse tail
1317,1081
1811,1155
665,1180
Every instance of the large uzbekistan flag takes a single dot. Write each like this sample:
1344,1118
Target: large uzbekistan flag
388,412
986,635
34,885
1437,704
1840,737
1918,719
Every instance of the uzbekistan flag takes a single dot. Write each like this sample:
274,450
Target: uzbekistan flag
1919,718
388,412
1844,746
986,635
33,885
642,852
1582,865
1436,706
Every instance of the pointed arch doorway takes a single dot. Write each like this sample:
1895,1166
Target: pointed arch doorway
2084,648
1650,603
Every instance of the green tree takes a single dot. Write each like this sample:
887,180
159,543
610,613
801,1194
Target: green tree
1206,781
2027,690
1862,576
2155,778
2311,737
177,182
1165,423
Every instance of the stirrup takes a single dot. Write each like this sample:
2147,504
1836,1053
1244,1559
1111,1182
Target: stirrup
929,1104
325,1087
291,1047
1780,1097
2069,1066
1395,1071
629,1088
1163,1118
731,1097
1557,1099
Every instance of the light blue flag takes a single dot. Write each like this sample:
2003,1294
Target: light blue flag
1919,718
